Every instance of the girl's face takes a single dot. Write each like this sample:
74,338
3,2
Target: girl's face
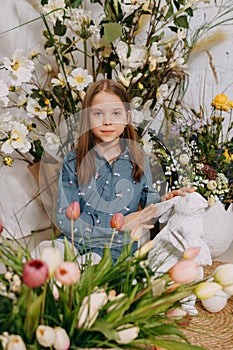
108,117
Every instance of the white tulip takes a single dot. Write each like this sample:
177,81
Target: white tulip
224,274
62,340
127,333
15,342
229,289
90,308
45,335
52,257
207,290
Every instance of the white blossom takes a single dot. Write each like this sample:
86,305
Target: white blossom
57,6
155,57
17,140
20,67
51,141
137,57
34,109
79,78
162,93
3,94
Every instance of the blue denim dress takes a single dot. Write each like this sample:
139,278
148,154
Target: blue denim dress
111,190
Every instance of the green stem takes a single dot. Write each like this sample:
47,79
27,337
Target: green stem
70,297
72,233
43,303
113,234
85,53
27,324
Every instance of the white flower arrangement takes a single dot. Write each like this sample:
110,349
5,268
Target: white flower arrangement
145,45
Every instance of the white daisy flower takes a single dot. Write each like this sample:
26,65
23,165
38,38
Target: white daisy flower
20,67
18,139
35,110
79,78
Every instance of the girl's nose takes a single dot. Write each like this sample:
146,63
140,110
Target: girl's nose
107,119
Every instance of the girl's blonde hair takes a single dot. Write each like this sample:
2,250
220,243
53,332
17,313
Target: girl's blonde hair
85,154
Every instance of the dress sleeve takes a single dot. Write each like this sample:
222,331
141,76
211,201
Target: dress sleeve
68,193
149,195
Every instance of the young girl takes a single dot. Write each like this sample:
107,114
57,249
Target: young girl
106,173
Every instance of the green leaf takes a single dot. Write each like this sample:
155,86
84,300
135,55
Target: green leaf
112,31
33,315
181,21
105,328
59,28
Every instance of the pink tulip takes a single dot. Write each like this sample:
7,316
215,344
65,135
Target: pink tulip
117,221
191,253
185,271
35,273
73,211
67,273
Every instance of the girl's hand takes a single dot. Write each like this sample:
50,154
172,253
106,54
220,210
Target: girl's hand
181,192
140,218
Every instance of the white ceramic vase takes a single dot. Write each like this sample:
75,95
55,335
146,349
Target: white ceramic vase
218,228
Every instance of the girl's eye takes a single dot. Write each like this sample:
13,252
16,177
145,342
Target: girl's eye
97,114
117,114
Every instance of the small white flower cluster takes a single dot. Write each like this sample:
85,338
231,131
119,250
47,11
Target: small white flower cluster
12,287
212,189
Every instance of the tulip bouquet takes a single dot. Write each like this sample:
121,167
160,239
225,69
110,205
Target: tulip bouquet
145,45
62,302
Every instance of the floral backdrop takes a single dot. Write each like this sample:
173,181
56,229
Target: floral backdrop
145,46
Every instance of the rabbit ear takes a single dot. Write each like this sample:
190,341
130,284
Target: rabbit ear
164,209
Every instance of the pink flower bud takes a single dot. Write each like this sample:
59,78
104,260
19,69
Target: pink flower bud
67,273
35,273
177,312
191,253
117,221
73,211
185,271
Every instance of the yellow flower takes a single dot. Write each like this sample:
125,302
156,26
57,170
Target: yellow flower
228,156
221,102
230,103
7,160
